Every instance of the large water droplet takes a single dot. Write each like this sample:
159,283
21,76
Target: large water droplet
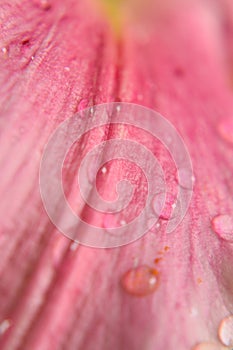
225,129
140,281
225,331
223,226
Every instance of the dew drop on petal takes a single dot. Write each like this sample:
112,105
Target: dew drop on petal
208,346
170,204
225,331
74,245
225,129
223,226
122,222
104,170
140,281
4,52
45,4
118,108
4,325
186,178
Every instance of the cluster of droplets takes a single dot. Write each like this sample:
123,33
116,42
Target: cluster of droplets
225,335
222,225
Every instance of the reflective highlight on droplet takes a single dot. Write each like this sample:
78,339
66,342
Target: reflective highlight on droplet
225,331
140,281
223,226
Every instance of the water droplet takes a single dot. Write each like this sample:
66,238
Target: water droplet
74,245
67,69
4,52
32,58
45,4
225,331
92,110
4,326
122,222
223,226
225,129
118,108
207,346
104,170
140,281
168,207
186,178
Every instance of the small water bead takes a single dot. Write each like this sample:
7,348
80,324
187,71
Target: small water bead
45,4
223,226
140,281
4,52
74,245
118,108
186,178
67,69
225,129
225,331
104,170
122,222
4,326
170,204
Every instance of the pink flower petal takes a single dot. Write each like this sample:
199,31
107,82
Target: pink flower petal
56,59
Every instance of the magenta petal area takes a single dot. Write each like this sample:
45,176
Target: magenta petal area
56,59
